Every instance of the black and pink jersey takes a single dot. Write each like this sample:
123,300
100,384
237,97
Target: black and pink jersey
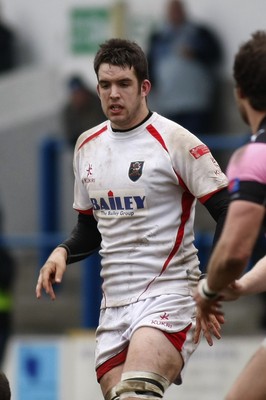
247,171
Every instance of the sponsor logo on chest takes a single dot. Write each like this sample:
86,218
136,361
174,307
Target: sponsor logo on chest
119,203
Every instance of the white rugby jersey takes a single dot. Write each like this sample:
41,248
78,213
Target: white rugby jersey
141,186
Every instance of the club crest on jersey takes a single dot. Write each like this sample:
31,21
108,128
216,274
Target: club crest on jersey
135,170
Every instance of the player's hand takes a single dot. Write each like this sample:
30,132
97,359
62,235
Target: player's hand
209,324
209,317
52,272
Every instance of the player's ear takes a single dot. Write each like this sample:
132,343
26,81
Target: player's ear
98,91
145,87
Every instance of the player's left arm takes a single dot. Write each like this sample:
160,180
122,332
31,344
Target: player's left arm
217,206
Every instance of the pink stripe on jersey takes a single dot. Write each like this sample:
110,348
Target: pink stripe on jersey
93,136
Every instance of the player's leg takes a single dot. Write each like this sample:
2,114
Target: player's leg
111,349
150,350
160,345
251,383
150,357
109,381
152,364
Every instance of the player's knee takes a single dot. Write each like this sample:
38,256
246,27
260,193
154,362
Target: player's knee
145,385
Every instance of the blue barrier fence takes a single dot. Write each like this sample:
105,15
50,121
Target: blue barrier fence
49,234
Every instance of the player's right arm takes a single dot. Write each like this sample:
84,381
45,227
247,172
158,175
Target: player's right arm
83,241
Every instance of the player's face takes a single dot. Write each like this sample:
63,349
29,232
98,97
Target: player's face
123,99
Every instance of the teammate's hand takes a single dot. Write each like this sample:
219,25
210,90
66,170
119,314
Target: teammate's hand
232,292
52,272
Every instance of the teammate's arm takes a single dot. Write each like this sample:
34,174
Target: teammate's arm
232,252
235,245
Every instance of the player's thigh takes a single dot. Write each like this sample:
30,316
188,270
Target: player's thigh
150,350
251,383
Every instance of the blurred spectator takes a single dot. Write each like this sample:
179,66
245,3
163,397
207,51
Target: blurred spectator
183,63
7,47
83,110
7,276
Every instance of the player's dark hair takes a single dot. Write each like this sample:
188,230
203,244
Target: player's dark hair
122,53
5,393
249,70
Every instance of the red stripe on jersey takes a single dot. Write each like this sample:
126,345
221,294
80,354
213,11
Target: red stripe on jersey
118,359
178,338
86,212
181,182
187,201
156,135
93,136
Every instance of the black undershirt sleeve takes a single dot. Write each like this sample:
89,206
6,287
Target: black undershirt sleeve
217,205
84,239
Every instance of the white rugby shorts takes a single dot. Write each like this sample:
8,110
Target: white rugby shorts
173,314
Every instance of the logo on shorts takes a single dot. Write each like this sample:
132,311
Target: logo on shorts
163,321
135,170
164,316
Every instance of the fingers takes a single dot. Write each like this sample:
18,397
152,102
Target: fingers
208,338
210,324
49,274
197,331
211,330
207,333
46,285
